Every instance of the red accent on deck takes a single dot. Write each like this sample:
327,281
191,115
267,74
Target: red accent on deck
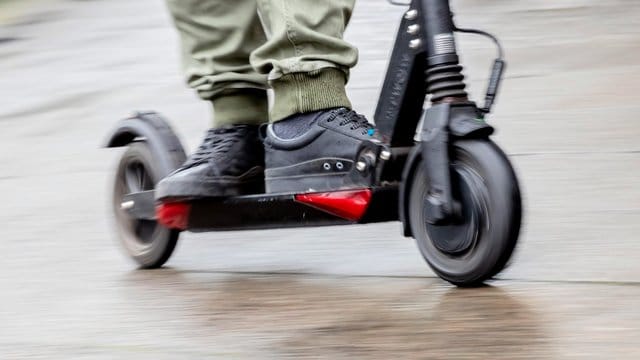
173,215
349,204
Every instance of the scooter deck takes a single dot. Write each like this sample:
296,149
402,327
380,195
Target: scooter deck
266,211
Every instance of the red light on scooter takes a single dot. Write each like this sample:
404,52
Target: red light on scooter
173,215
349,204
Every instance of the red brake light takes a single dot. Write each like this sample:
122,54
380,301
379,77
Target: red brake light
173,215
349,204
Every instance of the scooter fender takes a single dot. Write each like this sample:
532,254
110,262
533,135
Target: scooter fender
405,189
153,129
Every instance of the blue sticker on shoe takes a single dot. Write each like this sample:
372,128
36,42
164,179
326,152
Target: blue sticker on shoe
371,132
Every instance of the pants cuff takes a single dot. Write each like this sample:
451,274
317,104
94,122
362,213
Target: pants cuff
240,107
311,91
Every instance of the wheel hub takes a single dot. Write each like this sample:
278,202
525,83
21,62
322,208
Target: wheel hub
461,233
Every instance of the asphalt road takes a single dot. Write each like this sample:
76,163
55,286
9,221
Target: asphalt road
567,116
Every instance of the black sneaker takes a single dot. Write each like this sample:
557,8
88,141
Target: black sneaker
229,162
321,157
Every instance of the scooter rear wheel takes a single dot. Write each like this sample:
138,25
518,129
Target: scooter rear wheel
478,245
147,242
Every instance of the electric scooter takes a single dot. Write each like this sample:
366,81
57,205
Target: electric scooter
437,172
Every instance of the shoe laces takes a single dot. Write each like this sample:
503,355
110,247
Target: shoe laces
216,142
354,120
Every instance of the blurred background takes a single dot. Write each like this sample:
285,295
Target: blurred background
566,115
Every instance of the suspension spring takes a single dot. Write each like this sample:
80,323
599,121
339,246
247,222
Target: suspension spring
445,81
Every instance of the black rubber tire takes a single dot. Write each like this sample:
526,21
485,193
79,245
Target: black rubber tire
146,242
481,164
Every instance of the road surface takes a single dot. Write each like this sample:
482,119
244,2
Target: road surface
567,116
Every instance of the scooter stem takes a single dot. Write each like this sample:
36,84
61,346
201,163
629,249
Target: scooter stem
445,81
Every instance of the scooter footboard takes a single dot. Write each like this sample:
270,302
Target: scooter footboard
265,211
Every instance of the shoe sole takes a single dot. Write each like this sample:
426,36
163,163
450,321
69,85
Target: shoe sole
251,182
300,184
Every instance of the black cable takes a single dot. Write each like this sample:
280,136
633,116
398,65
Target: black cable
399,3
484,33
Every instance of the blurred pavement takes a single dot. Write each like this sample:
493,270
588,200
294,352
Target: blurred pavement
567,116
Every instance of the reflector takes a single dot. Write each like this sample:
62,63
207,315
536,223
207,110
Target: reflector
349,204
173,215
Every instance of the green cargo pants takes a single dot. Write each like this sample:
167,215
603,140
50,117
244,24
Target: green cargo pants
233,50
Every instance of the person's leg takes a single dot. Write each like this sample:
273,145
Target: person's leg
312,144
305,56
217,37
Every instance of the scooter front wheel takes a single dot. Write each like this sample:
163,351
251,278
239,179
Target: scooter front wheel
147,242
479,242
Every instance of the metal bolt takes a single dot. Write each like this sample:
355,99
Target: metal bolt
127,205
413,29
415,43
361,166
411,14
385,155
